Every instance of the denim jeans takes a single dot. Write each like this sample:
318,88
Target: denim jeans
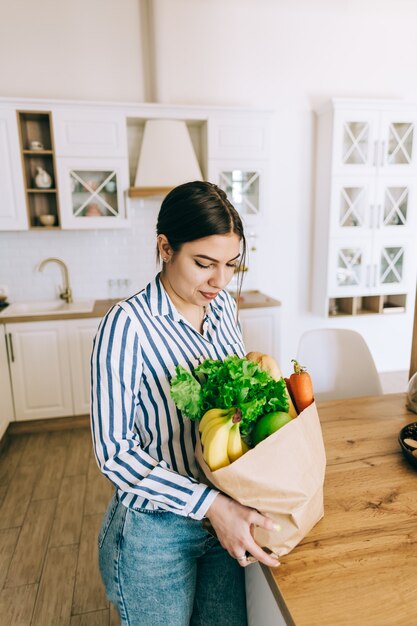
162,569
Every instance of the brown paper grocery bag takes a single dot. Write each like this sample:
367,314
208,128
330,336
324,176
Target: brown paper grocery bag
281,477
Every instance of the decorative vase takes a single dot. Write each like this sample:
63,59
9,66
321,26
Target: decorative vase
42,179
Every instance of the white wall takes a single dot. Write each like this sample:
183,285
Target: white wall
286,55
292,55
75,49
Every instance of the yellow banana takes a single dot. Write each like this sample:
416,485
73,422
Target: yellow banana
210,415
213,423
215,448
291,409
236,447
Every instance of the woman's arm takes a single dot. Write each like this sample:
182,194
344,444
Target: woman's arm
116,369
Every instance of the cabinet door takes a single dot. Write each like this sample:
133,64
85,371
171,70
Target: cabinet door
349,267
13,214
395,213
260,330
92,193
6,399
393,266
243,182
352,206
398,149
355,142
89,133
239,137
40,370
82,333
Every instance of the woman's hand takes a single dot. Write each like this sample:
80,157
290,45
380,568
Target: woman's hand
233,525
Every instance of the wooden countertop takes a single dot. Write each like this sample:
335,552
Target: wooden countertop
248,300
358,565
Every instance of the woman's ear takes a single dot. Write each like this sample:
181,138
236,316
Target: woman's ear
165,250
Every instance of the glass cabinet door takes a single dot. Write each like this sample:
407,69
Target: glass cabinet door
349,269
242,189
92,196
94,193
396,206
352,206
356,135
398,137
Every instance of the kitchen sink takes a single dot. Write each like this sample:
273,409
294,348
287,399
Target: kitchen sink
47,307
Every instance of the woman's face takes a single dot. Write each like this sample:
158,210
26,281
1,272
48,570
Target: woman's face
201,268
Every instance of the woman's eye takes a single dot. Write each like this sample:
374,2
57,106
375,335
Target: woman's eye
233,265
206,267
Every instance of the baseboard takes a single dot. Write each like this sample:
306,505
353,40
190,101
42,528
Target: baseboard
47,425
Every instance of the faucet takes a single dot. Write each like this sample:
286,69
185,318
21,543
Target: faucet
66,293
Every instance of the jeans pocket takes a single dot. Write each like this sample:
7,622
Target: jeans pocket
107,519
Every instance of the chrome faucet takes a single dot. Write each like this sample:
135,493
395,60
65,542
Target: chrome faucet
66,293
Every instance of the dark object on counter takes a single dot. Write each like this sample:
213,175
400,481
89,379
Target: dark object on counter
408,442
3,304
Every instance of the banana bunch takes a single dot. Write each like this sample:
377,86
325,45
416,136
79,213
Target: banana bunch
220,438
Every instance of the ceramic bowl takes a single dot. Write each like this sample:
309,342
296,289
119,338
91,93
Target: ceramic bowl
406,438
47,220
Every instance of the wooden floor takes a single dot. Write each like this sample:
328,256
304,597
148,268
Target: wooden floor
52,498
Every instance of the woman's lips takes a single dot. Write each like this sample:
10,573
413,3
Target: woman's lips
208,295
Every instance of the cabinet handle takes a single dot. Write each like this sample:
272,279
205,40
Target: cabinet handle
11,347
382,153
7,347
378,216
375,153
375,268
368,275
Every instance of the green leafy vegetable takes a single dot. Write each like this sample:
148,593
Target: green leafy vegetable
234,382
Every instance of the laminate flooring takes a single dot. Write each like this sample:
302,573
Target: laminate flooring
52,498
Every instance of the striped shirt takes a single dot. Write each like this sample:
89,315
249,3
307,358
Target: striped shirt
142,442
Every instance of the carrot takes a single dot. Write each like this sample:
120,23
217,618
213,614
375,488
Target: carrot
301,387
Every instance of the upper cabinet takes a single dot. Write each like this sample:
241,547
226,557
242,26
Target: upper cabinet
239,156
90,132
366,204
73,165
13,214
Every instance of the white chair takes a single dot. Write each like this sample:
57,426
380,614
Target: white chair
340,364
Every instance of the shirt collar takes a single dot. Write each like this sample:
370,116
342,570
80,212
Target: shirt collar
161,304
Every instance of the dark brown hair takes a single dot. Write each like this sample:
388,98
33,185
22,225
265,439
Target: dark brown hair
195,210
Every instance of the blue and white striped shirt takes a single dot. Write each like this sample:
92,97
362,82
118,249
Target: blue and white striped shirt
142,442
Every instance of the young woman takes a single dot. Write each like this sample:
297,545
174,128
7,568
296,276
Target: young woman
159,564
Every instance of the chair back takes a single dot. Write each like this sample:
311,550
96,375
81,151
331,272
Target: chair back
340,364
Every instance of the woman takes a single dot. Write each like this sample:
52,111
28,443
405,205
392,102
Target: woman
158,562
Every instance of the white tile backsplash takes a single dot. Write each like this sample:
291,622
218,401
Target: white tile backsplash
92,256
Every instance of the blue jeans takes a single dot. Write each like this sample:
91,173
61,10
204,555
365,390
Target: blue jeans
162,569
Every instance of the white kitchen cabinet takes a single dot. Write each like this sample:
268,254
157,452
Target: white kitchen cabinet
92,192
82,333
85,131
40,369
6,398
13,214
366,207
260,330
50,367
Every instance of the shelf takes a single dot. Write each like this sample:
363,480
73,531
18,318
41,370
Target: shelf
35,127
37,152
367,305
146,192
41,190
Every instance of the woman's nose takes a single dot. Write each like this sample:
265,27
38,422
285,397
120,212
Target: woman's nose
219,278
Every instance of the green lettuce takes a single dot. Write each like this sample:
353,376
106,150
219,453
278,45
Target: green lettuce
234,382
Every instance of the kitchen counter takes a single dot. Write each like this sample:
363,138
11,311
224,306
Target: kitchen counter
358,565
247,300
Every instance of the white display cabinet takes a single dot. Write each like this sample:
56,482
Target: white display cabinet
365,207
